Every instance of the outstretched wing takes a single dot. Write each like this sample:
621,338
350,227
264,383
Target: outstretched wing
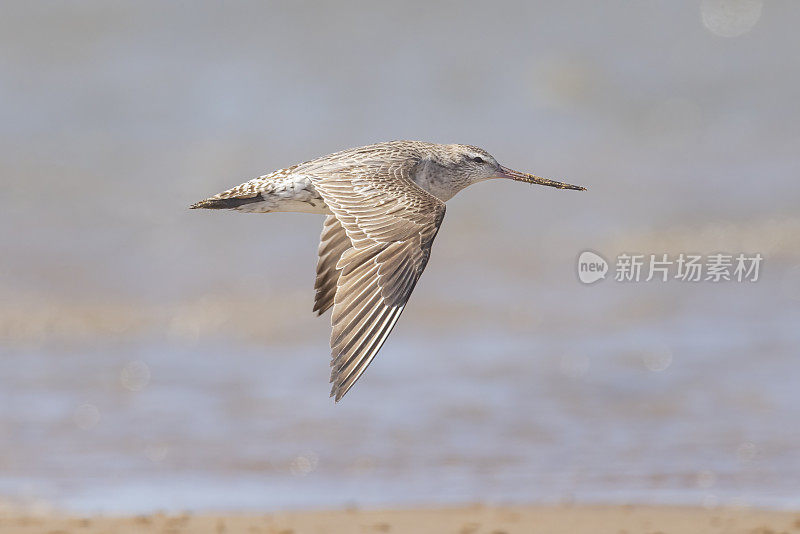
391,223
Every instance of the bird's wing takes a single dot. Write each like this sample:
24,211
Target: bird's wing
391,223
332,244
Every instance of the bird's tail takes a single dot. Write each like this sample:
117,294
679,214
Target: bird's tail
229,203
243,197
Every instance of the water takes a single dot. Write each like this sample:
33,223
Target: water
156,358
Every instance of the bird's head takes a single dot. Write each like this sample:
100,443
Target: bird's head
477,165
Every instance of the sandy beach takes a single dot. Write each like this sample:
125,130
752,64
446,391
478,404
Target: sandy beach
467,520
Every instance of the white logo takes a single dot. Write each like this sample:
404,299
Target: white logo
591,267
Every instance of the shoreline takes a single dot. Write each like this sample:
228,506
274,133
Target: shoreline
475,519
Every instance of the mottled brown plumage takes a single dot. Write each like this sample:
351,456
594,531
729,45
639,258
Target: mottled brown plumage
384,205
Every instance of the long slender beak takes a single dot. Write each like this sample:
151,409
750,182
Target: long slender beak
531,179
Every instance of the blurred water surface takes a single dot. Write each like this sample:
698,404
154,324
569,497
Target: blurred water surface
152,357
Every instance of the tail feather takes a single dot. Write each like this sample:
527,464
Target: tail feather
215,203
255,191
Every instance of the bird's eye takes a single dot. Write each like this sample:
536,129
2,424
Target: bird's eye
477,159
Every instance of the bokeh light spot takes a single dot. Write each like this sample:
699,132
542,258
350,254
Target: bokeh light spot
135,376
730,18
303,464
86,416
658,359
706,479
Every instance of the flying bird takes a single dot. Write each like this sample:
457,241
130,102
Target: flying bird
383,204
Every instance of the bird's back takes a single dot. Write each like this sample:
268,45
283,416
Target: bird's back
292,188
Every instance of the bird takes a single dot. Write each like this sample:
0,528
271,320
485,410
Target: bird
383,206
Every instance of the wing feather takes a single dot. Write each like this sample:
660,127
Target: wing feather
333,243
390,224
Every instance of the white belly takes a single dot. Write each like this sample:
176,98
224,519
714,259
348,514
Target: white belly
288,193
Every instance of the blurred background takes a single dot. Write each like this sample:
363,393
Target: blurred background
153,357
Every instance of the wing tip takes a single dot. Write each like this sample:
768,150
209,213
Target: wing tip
340,384
338,393
320,307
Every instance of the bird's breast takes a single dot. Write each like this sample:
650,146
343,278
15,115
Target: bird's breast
433,179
